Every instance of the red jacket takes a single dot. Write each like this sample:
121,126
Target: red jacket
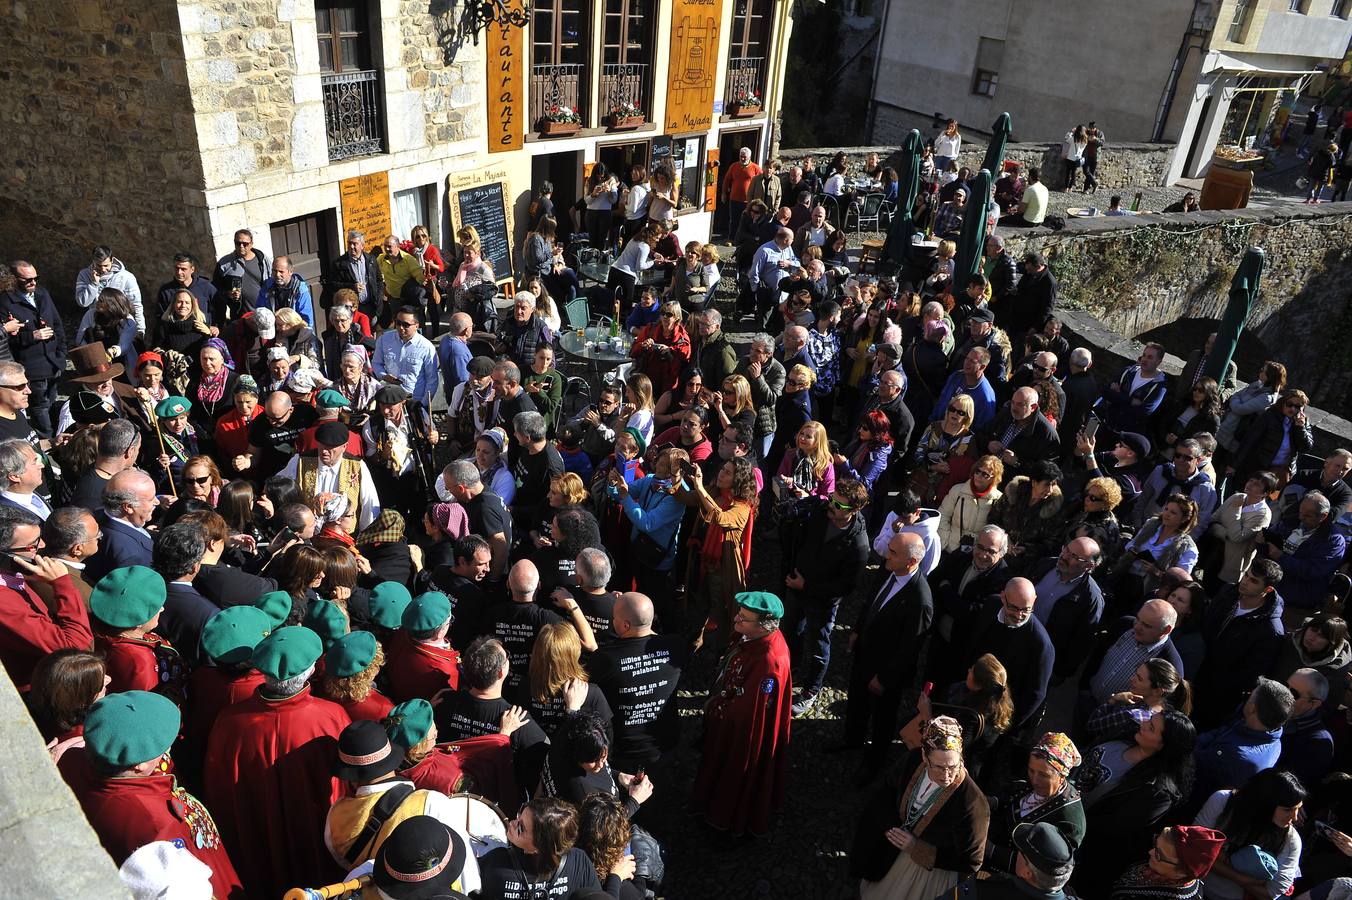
481,765
29,630
662,367
212,690
268,781
415,669
128,813
232,434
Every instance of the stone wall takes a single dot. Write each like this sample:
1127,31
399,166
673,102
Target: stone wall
1136,274
100,137
1120,166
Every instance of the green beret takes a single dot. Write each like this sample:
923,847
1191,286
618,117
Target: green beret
761,602
128,597
638,439
287,652
427,612
388,601
126,729
230,636
172,406
350,654
326,620
276,605
331,399
409,723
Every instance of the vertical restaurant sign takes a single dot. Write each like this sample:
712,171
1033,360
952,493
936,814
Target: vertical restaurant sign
695,57
506,85
365,203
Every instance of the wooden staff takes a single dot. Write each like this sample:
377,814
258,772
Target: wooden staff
156,419
328,891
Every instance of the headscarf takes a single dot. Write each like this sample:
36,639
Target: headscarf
450,518
212,387
1058,751
386,529
942,733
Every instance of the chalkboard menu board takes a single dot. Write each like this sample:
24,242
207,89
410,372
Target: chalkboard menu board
484,207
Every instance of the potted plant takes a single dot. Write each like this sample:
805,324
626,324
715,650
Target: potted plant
560,120
625,115
745,103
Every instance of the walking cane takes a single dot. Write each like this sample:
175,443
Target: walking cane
156,419
328,891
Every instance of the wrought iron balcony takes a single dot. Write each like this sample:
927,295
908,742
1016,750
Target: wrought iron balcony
557,86
746,76
625,85
352,114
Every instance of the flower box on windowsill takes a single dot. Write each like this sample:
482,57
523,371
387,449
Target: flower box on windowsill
625,123
558,129
742,111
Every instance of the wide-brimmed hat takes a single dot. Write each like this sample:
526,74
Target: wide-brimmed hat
422,857
91,364
365,752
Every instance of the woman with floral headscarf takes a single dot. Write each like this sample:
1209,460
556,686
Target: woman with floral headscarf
920,837
211,390
1047,796
355,381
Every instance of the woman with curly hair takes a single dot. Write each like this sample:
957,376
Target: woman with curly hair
604,833
558,683
350,669
721,547
1096,519
570,530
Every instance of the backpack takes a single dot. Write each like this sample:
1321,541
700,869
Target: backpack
1054,222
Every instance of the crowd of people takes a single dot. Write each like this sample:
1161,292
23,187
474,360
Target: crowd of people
242,561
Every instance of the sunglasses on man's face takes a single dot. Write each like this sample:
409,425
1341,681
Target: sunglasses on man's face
22,280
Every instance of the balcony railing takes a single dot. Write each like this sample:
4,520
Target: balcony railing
352,114
625,83
746,75
552,86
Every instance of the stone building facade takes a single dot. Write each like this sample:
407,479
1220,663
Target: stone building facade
160,126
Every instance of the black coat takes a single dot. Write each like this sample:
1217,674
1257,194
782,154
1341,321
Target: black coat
926,370
1121,827
1033,302
331,350
889,642
1239,649
900,422
1073,620
963,606
830,568
343,274
1037,441
227,585
1262,439
1004,277
1082,392
185,615
957,832
42,360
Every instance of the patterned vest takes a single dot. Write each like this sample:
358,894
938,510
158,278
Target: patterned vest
349,479
348,817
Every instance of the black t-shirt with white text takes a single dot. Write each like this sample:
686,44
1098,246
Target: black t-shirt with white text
460,715
516,625
549,713
639,677
277,443
500,872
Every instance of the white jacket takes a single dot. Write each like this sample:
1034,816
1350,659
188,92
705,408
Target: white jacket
927,526
87,290
963,514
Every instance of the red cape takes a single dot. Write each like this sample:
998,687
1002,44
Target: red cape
212,690
375,707
415,670
268,783
128,813
745,767
485,761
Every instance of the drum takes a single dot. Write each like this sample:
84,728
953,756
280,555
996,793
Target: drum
481,819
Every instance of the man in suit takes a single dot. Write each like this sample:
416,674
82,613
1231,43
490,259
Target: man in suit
359,271
37,341
71,535
21,474
961,585
1243,632
1069,602
178,557
129,502
885,644
1021,435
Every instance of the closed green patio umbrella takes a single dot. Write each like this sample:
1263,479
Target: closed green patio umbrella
1243,295
972,241
995,152
908,185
